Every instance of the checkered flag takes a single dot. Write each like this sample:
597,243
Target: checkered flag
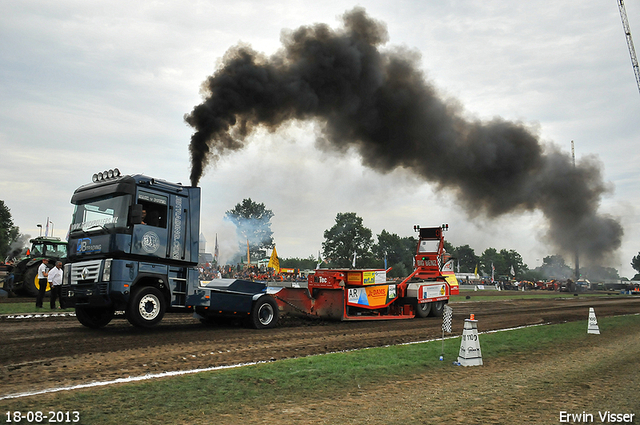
446,319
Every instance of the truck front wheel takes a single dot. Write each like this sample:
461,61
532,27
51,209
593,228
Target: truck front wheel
264,313
94,318
146,307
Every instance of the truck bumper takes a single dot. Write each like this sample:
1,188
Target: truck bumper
91,294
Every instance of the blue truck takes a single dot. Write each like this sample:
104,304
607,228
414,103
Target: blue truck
133,247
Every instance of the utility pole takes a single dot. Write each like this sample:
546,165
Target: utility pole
627,33
577,262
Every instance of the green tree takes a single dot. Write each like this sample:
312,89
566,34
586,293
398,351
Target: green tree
467,258
309,263
531,275
347,236
513,259
253,225
554,267
492,258
448,247
8,232
398,251
502,262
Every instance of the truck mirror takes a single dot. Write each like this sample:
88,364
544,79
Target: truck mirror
135,214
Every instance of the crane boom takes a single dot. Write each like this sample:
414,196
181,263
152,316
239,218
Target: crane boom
627,33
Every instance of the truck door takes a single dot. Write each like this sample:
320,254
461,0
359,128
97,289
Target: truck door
150,238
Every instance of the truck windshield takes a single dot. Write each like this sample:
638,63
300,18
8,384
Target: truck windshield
105,212
429,245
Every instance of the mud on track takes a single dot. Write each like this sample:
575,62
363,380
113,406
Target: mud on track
44,353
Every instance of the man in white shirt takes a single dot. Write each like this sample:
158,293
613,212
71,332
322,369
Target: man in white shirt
55,281
43,272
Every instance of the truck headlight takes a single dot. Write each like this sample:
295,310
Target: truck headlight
106,273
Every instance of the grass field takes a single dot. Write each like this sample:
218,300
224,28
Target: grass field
295,382
28,307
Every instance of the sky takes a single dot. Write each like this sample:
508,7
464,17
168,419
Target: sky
90,86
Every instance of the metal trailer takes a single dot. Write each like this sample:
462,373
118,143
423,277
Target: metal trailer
367,294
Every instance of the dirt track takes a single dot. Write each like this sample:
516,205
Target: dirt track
44,353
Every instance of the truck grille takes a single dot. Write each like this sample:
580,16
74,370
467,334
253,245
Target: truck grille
85,272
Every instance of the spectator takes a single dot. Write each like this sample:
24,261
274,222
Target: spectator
55,281
43,272
8,280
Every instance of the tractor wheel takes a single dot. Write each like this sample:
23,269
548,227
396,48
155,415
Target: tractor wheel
94,318
30,283
437,308
423,310
146,307
264,313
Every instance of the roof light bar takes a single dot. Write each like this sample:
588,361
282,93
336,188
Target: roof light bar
106,175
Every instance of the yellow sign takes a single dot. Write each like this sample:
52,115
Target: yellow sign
377,295
362,278
354,278
372,296
368,278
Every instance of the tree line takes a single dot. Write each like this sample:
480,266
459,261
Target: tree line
9,233
349,235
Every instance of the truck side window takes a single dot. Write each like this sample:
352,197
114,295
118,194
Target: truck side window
154,214
154,206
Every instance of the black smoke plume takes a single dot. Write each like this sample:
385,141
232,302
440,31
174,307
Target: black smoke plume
380,103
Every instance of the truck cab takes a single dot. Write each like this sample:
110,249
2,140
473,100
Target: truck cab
133,247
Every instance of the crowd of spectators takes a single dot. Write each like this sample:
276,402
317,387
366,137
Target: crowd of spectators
209,271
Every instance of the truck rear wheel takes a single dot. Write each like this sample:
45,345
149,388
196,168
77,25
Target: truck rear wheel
423,309
437,308
264,313
94,318
146,307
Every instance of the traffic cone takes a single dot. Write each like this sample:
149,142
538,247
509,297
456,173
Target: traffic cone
593,323
470,354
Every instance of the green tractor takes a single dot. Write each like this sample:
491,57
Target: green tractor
26,268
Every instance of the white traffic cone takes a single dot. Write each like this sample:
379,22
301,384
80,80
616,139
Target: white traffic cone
470,354
593,323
